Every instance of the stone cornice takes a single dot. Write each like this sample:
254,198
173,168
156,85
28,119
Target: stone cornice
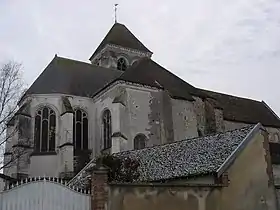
124,49
117,82
119,134
66,144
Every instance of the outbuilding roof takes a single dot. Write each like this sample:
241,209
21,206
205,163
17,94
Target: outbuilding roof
191,157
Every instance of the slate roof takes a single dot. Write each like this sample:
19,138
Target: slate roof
72,77
244,109
196,156
148,72
120,35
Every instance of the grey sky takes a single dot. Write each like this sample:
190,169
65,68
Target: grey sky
223,45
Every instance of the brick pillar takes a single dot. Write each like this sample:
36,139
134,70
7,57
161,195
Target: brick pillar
99,188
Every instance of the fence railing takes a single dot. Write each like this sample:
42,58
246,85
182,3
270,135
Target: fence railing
44,193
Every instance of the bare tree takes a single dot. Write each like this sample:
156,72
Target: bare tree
11,90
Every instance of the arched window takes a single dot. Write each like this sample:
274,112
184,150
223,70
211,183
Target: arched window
122,64
80,130
107,129
44,134
140,141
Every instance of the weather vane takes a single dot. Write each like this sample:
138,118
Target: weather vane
116,12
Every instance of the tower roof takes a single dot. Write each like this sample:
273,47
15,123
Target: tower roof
66,76
120,35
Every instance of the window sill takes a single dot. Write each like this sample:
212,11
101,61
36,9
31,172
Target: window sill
43,153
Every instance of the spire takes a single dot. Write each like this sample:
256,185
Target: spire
120,35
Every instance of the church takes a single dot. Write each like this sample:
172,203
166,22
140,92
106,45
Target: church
120,101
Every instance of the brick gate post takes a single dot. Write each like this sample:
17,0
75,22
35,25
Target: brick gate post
99,188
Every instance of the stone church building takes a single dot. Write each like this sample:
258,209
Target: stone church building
120,101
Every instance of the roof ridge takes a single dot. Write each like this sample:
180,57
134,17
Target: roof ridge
227,94
90,64
190,139
70,59
271,110
120,35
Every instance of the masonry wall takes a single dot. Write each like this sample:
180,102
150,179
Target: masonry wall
49,164
184,119
105,102
250,176
231,125
45,164
52,164
109,56
144,116
135,110
274,133
161,198
199,108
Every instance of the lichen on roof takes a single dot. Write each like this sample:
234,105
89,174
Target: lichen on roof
196,156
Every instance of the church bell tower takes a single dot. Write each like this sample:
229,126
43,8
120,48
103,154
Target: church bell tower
119,49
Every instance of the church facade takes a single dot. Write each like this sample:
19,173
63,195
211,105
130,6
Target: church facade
122,100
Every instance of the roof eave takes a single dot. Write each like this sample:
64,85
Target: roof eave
268,107
251,122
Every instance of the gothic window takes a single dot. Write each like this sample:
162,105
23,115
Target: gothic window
44,134
80,130
107,129
122,64
140,141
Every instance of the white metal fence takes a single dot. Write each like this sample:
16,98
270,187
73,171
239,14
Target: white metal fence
44,194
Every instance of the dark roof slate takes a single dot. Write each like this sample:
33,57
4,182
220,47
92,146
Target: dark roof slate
120,35
244,109
148,72
191,157
72,77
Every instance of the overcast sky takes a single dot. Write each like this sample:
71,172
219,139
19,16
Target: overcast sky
222,45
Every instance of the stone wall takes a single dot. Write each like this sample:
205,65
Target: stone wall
199,108
53,163
161,197
219,118
250,177
109,55
210,118
144,116
150,196
184,120
274,133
